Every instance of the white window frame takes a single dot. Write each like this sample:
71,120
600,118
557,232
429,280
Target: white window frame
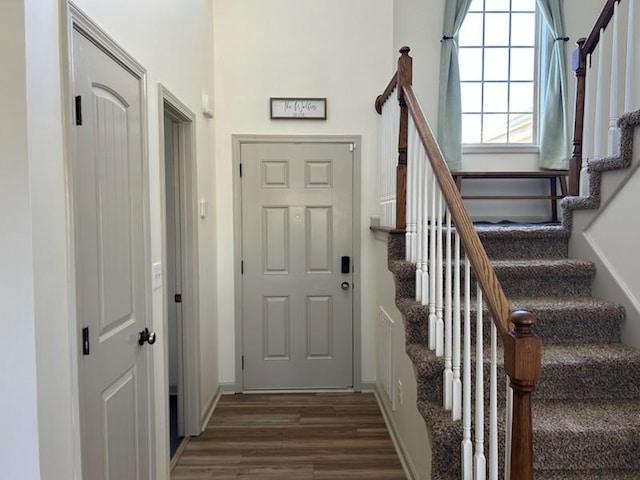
516,148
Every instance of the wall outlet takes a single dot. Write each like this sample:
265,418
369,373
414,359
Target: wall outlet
400,393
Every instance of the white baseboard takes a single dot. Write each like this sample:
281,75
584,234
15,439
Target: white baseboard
204,421
230,388
405,460
369,386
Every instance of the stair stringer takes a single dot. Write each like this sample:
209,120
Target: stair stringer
579,213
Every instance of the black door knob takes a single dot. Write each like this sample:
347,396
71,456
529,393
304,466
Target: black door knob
146,336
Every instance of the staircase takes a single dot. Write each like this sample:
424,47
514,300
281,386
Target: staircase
586,406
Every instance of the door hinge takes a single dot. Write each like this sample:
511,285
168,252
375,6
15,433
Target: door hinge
241,267
241,170
352,147
177,298
242,361
85,341
78,101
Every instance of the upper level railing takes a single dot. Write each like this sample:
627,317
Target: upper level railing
419,197
600,100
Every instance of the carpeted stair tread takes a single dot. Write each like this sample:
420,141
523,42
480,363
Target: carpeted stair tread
592,434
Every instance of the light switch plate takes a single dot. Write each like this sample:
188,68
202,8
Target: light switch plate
156,276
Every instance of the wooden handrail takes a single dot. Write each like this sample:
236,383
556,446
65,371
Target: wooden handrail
585,47
602,22
486,276
384,96
522,349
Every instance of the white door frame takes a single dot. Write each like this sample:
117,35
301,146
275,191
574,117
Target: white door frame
238,141
186,119
78,20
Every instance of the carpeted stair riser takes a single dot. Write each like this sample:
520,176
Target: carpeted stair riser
550,278
602,450
587,435
516,242
416,329
572,373
544,278
509,243
597,321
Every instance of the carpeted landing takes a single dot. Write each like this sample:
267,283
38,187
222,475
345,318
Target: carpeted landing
587,404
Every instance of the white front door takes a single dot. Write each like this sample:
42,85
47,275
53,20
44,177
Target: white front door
111,279
297,220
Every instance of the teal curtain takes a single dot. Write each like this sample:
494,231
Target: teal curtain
449,102
555,136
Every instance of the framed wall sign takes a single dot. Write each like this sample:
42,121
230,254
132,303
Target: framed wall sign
299,108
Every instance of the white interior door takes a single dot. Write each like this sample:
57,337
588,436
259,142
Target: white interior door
297,292
109,199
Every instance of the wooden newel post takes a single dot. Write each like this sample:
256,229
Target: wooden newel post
523,363
575,164
405,78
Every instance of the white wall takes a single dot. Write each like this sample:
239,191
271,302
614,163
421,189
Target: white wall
19,450
334,48
608,236
418,25
408,422
174,41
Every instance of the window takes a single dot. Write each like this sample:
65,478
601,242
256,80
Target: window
497,58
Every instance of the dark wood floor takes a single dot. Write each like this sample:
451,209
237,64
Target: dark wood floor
292,436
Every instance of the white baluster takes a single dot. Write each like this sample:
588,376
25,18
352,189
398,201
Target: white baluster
410,212
632,62
382,180
416,195
479,461
395,131
456,409
432,265
467,446
415,169
508,424
439,278
383,171
388,159
613,138
493,406
425,229
448,342
584,178
587,137
599,120
416,158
